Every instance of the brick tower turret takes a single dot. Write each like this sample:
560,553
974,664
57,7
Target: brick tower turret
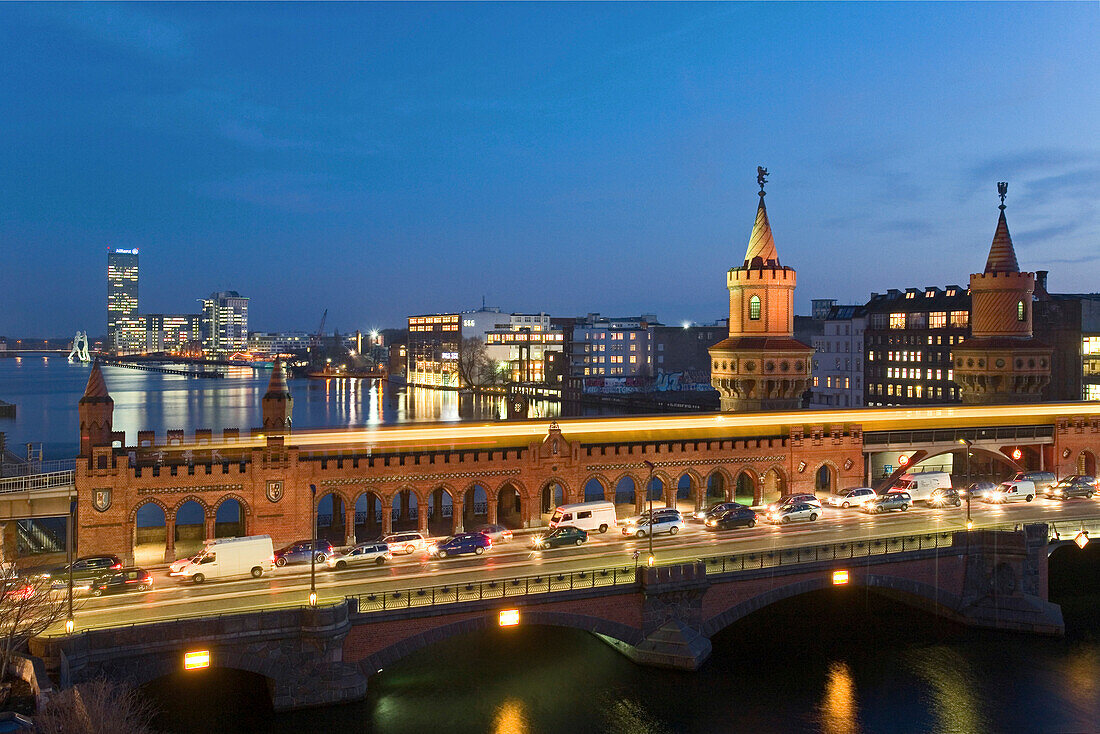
278,405
96,410
1001,362
761,366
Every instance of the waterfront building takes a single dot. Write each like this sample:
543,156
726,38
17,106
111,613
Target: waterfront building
907,345
1000,362
760,366
435,342
171,333
123,332
613,355
682,359
521,348
838,357
281,342
224,323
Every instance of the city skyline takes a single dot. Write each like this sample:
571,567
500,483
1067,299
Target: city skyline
386,160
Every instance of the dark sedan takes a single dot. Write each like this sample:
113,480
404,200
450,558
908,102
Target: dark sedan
561,535
123,580
456,545
739,517
85,570
1076,485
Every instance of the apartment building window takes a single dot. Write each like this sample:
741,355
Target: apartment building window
960,319
897,321
937,320
754,308
816,382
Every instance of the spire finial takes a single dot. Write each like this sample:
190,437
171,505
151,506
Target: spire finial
1002,190
761,179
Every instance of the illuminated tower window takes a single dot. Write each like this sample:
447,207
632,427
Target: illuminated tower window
754,308
1020,313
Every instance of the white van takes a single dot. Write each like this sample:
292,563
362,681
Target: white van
922,485
589,516
231,557
1012,491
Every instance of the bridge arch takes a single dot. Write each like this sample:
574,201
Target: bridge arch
626,493
225,524
442,518
370,510
775,484
688,486
149,521
191,498
552,494
387,656
475,504
1086,463
331,517
745,486
719,487
404,505
155,667
903,590
595,488
826,476
192,523
510,507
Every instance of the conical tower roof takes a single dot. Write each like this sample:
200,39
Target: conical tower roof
1002,256
761,243
97,386
277,387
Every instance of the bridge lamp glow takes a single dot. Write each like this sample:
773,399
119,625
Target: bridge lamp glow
1082,539
508,618
196,660
70,625
840,577
1016,454
313,598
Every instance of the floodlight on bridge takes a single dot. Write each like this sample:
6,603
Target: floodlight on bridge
1082,539
508,618
840,577
196,660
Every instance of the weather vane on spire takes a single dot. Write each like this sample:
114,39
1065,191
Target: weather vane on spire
761,178
1002,189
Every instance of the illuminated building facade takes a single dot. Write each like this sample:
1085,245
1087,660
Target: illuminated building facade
224,323
908,343
124,333
268,342
838,357
521,348
613,355
171,333
760,366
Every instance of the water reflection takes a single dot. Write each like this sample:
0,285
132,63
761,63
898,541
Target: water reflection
627,715
838,710
510,718
952,685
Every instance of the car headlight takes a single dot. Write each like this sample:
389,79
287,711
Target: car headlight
712,523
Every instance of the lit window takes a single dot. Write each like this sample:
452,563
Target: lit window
897,321
937,320
960,318
1021,311
754,308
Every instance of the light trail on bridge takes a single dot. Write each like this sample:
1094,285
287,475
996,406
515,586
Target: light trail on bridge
170,600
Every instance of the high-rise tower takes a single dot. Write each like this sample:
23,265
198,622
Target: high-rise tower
96,411
1001,362
761,366
122,299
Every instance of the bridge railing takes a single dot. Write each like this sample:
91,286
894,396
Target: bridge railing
954,435
22,469
38,481
429,596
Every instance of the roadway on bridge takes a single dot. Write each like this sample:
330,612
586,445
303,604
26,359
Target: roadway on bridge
171,599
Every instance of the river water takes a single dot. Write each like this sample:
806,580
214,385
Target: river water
837,661
46,391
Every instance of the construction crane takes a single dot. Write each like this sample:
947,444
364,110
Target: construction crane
318,338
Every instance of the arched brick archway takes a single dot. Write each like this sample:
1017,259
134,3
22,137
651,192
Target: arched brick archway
475,505
192,524
720,486
826,475
626,494
370,511
389,655
510,506
775,484
552,494
1086,463
595,489
332,517
661,490
441,505
231,515
745,486
913,593
151,523
404,506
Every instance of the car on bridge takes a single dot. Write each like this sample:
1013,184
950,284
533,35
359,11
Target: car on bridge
363,554
793,512
738,517
495,533
302,550
121,581
85,570
715,510
1012,491
851,497
561,535
795,499
659,523
945,496
1041,479
978,491
406,543
889,501
1075,485
456,545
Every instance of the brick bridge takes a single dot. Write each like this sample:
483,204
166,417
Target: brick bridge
662,616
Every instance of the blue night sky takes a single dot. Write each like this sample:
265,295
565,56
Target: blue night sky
384,160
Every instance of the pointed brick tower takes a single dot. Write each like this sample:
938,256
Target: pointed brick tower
1001,362
96,410
760,366
278,405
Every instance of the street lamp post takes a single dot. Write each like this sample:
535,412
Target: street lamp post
313,545
70,623
969,489
649,496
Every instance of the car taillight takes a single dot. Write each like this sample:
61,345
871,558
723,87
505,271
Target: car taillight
116,567
273,559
